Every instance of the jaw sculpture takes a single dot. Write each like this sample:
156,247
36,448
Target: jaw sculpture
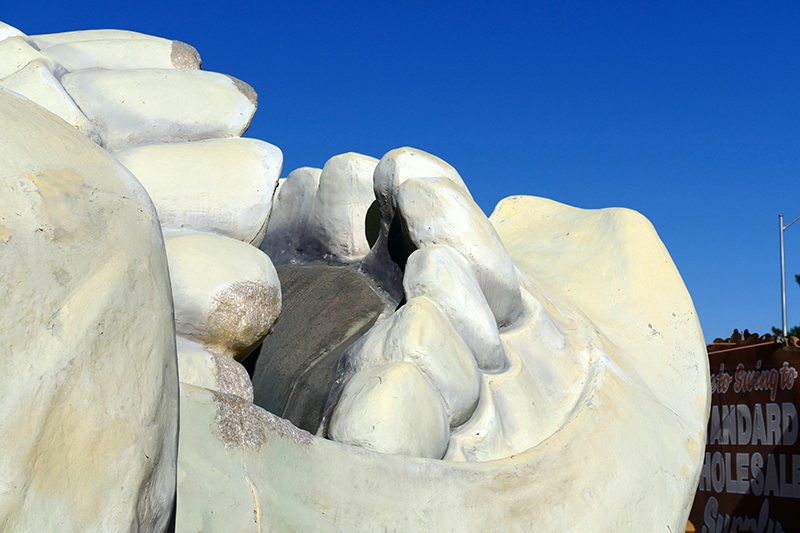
541,369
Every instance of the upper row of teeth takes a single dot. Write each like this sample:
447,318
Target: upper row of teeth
145,100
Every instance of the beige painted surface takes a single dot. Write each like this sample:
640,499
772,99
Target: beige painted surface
220,186
88,384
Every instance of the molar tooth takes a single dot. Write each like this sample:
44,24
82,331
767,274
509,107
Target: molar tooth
336,222
221,186
443,275
394,409
229,304
436,211
119,54
145,106
36,82
291,209
16,52
394,168
7,31
421,334
47,40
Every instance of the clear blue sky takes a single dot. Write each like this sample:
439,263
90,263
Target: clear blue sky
688,112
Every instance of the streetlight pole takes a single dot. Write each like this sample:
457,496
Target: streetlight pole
783,273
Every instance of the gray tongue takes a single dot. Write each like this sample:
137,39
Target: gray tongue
325,310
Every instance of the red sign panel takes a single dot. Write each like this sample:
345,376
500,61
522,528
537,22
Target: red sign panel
751,474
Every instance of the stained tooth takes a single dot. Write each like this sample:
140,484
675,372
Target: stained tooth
336,222
16,52
221,373
229,304
392,408
221,186
35,82
436,211
145,106
419,333
118,54
291,209
443,275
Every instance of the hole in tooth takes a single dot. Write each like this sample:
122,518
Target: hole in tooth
399,243
372,223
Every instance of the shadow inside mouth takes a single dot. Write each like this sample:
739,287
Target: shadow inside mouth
325,310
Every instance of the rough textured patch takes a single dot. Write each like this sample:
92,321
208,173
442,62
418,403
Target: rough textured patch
332,307
185,56
242,312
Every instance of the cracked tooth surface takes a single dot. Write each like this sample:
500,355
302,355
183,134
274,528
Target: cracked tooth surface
145,106
392,408
230,303
443,275
437,212
221,186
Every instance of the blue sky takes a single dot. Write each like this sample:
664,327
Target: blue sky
688,112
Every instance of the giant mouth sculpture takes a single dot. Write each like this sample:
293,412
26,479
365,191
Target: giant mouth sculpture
430,369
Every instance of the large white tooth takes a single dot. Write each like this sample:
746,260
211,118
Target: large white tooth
419,333
221,186
88,378
394,168
119,54
36,83
394,409
286,233
47,40
443,275
145,106
336,225
407,163
436,211
7,31
16,52
227,294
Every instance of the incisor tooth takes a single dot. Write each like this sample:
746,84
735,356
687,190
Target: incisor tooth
436,211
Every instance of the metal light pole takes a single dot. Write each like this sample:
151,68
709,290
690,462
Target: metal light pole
783,272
